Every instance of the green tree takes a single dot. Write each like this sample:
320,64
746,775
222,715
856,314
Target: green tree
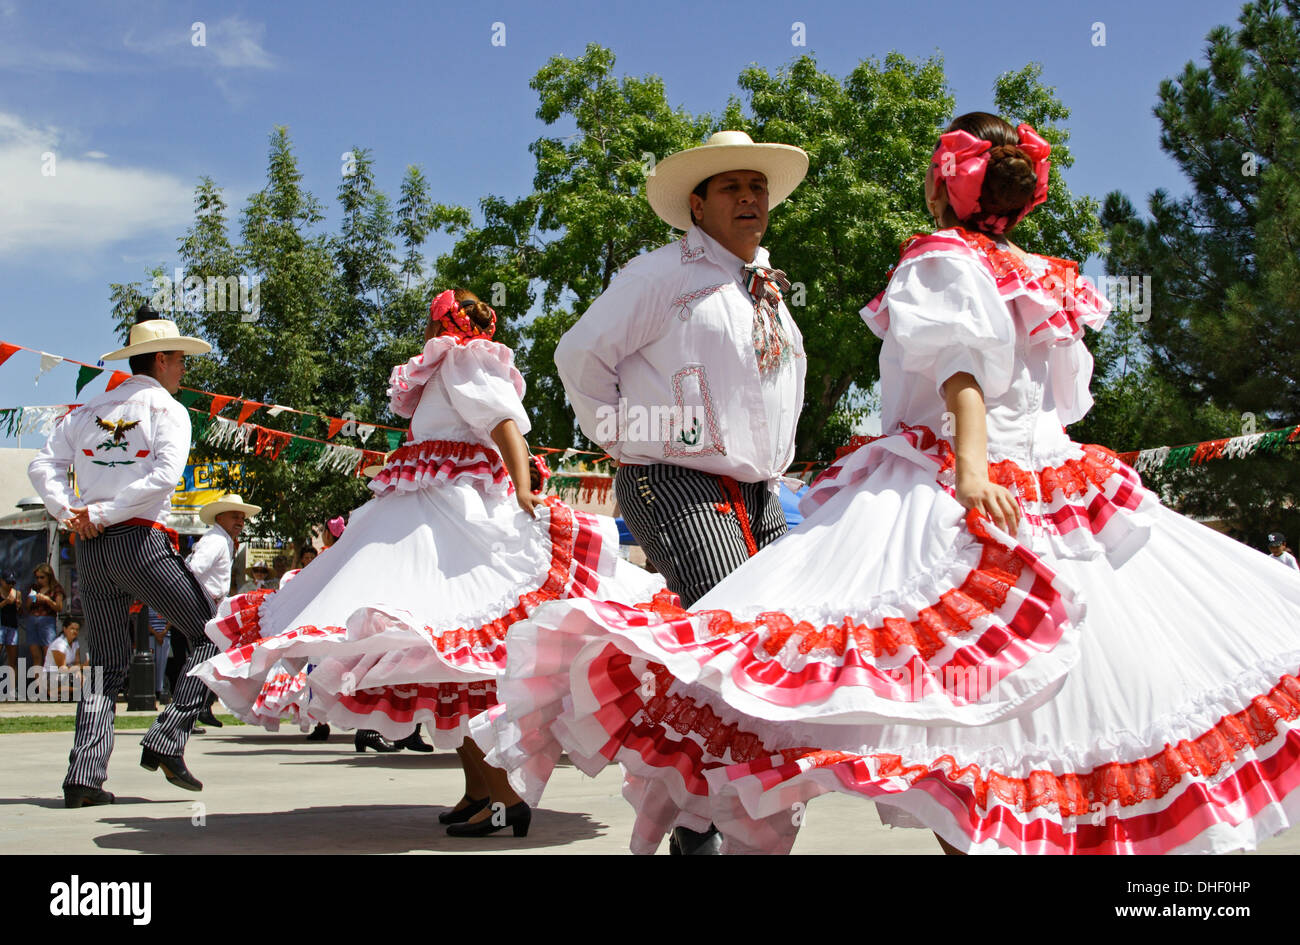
869,139
285,355
587,215
1225,261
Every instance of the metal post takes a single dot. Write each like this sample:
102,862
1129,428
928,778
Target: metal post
140,677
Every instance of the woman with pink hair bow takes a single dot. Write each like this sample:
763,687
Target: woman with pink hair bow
986,628
404,619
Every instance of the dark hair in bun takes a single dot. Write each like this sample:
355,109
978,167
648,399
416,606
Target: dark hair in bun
471,305
1010,181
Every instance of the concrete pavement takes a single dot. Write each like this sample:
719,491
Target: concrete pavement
274,792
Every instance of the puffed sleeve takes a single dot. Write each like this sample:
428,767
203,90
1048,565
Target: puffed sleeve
483,385
947,317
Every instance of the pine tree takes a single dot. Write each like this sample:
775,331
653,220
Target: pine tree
1224,260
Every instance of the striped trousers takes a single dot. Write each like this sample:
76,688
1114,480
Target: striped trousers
127,563
685,523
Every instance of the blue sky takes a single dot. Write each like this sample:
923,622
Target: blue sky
135,112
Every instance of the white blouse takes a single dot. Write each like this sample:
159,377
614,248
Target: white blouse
459,392
661,368
944,313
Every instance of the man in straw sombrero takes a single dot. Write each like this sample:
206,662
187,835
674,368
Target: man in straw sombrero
128,448
689,369
212,559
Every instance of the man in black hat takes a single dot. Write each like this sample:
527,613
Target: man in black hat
1277,548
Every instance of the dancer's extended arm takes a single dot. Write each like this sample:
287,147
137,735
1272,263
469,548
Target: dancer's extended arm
514,453
965,401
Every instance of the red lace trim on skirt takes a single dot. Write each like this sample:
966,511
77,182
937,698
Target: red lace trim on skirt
429,459
450,703
1071,794
243,625
1071,479
982,594
553,588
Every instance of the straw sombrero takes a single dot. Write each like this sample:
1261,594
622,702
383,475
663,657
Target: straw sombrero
669,185
373,470
157,334
230,502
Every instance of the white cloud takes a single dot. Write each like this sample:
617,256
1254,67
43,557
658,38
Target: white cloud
84,204
27,59
95,155
232,43
238,44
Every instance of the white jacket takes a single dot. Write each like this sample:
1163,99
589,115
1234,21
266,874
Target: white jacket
128,447
661,368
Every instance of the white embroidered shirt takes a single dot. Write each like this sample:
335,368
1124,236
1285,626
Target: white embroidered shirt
128,447
661,368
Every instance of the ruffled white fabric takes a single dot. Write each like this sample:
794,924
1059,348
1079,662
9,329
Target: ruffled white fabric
404,619
1161,714
479,375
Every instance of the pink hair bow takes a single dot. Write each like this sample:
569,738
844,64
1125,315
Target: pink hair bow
335,526
961,161
445,310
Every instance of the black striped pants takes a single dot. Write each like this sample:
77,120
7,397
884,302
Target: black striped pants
127,563
674,512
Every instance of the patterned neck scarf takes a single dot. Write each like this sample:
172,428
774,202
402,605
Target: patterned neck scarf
771,343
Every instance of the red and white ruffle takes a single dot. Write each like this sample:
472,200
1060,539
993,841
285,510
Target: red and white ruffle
407,381
381,669
420,465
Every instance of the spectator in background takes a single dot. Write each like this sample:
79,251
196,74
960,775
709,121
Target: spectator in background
306,556
213,558
1277,548
259,578
160,642
43,602
64,659
334,528
10,601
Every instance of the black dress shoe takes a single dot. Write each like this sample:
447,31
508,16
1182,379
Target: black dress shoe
465,813
518,816
369,738
196,730
685,842
78,796
414,742
207,718
320,733
173,767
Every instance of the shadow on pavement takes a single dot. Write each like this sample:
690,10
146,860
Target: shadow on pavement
343,829
57,802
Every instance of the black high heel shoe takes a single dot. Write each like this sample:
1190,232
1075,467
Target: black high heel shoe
369,738
321,733
414,742
518,816
465,813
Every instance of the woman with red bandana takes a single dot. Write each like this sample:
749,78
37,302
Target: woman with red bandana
989,630
404,620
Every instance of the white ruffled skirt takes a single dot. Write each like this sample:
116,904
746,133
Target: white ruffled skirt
1113,679
404,619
